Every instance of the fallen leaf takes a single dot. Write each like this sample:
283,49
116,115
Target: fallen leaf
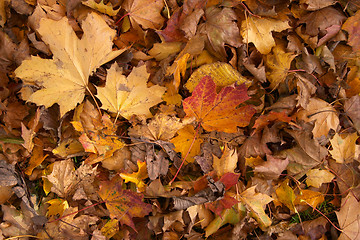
352,108
220,205
272,168
316,177
57,207
323,114
123,204
178,68
312,198
256,203
137,177
231,216
277,65
265,120
220,28
129,95
183,142
227,162
65,77
349,218
259,31
37,157
62,178
286,195
144,12
223,74
101,7
351,25
218,111
344,148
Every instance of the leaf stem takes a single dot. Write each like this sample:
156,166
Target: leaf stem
182,163
324,217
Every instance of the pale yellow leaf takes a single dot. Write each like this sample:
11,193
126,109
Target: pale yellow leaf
227,162
101,7
316,177
344,148
129,95
62,177
259,31
64,78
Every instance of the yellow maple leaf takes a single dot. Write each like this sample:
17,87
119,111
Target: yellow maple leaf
101,7
316,177
227,162
344,147
57,206
129,95
259,31
137,177
64,78
277,65
183,142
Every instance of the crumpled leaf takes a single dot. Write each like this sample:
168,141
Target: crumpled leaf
183,141
259,31
272,168
220,28
129,95
64,78
277,65
101,7
218,111
349,218
147,13
344,147
62,177
316,177
256,203
137,177
123,204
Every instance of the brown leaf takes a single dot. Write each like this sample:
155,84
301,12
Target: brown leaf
349,218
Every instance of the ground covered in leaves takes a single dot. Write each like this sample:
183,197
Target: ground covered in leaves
179,119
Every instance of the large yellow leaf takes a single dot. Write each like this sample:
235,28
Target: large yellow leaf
129,95
259,31
64,78
277,65
345,148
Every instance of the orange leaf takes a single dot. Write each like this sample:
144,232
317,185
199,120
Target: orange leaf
218,112
123,204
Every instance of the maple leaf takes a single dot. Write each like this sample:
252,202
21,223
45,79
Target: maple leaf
220,28
64,78
323,114
62,177
227,162
123,204
178,68
137,177
316,177
129,95
351,25
265,120
286,195
349,218
256,203
218,112
344,149
183,143
259,31
220,205
278,64
57,206
308,197
147,13
101,7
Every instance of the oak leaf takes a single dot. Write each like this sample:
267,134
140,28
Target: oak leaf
129,95
183,143
147,13
123,204
218,112
259,31
64,78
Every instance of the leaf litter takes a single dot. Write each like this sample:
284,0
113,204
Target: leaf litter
188,119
